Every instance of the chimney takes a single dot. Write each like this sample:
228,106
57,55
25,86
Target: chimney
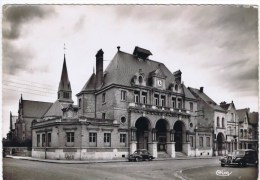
201,89
223,103
177,75
99,67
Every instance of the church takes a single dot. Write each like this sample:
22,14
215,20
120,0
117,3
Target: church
135,103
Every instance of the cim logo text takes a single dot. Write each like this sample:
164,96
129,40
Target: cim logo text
223,173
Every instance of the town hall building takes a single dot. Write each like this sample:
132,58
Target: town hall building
135,103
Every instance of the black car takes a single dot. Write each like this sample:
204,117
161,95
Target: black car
140,155
241,158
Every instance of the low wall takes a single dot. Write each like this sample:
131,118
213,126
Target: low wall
200,152
80,154
18,151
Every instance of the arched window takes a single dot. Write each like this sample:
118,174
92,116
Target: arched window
140,79
218,125
223,122
176,87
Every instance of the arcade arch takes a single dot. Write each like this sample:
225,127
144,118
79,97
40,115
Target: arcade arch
143,127
179,135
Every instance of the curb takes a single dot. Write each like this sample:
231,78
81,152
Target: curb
104,161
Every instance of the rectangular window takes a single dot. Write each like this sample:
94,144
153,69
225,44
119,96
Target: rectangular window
241,132
92,137
66,95
179,104
144,97
201,141
156,99
191,106
208,141
43,140
70,136
232,117
103,97
162,100
38,140
191,141
173,102
107,137
123,95
103,115
136,93
49,140
122,138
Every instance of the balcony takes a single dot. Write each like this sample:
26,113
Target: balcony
154,108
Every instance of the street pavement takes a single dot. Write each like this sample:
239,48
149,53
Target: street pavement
218,172
17,169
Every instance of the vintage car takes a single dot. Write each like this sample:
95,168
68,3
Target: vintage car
241,158
140,155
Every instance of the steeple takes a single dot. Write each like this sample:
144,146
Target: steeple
64,91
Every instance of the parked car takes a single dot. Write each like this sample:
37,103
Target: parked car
241,158
140,155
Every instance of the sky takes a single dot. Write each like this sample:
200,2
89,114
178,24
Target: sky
215,46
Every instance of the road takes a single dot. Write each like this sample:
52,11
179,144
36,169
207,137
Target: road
217,172
14,169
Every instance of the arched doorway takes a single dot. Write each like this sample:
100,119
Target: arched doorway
161,134
179,130
142,132
220,143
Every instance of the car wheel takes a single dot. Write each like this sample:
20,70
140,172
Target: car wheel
150,159
240,164
137,159
222,165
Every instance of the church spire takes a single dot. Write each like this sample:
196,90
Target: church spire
64,91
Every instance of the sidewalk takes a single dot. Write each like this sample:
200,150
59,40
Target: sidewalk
98,161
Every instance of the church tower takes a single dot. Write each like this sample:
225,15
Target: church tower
64,91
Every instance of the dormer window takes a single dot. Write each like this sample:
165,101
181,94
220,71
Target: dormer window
176,87
140,79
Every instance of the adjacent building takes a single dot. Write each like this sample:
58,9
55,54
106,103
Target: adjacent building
214,118
136,103
27,112
232,128
248,129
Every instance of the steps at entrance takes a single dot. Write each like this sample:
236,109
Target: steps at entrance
180,154
162,154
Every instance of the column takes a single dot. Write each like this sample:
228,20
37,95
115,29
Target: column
133,141
152,146
171,144
186,144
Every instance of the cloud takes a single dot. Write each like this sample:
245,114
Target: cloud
79,25
15,59
221,41
15,16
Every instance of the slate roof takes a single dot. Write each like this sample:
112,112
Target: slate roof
35,109
124,66
241,114
56,109
64,80
91,83
253,118
206,99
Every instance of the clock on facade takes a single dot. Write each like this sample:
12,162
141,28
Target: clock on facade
159,82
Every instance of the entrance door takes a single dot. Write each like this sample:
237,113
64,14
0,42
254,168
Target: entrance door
178,141
179,128
161,143
161,127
